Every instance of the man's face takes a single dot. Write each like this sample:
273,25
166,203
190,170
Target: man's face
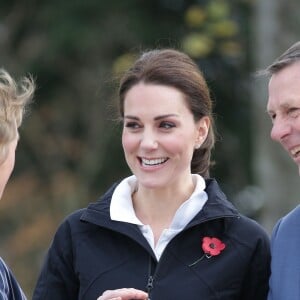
284,109
8,165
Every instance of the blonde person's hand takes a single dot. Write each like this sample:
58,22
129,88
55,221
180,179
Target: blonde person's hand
124,294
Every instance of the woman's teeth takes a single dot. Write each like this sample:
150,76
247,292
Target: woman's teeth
153,162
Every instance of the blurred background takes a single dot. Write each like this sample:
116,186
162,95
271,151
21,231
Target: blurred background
70,151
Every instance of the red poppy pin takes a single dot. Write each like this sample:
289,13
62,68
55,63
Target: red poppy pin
211,246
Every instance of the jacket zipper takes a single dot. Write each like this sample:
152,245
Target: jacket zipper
149,285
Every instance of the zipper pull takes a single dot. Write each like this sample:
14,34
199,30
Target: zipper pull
149,285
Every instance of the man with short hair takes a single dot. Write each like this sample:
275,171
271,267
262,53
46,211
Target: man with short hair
284,110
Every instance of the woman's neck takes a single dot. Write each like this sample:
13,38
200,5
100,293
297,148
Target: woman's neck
157,207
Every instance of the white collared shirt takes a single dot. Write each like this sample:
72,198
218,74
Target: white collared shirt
121,209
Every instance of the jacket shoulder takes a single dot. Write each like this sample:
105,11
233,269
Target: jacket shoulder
250,226
286,227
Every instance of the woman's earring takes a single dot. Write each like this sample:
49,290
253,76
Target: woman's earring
197,146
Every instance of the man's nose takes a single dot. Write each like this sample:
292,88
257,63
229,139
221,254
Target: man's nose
281,129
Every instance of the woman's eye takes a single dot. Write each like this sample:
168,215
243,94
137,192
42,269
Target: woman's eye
132,125
167,125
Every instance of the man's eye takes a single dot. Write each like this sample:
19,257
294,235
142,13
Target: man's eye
294,111
167,125
273,117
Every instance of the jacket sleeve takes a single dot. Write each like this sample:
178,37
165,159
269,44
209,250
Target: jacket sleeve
256,284
9,287
285,266
57,279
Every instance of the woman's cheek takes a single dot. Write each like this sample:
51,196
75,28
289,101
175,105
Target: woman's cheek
129,142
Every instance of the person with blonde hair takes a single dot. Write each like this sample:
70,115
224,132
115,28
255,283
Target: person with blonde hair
13,99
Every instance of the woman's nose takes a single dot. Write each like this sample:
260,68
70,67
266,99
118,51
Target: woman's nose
149,140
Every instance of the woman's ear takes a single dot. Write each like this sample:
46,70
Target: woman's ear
202,131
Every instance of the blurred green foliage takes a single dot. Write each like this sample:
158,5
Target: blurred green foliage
70,149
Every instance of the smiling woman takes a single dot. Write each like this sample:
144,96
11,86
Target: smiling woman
155,221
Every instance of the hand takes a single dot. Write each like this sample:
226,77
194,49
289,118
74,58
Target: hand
124,294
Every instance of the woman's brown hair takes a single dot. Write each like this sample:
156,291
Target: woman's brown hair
173,68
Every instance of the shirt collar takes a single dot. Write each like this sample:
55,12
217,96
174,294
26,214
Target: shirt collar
121,208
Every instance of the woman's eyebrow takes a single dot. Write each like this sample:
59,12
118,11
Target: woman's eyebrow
156,118
131,117
165,116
